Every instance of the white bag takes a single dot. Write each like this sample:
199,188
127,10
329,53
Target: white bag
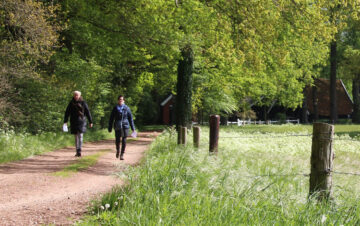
134,134
65,128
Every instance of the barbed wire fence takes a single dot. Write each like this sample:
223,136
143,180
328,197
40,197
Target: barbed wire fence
320,136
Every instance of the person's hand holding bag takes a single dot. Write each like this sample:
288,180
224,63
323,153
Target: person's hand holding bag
65,128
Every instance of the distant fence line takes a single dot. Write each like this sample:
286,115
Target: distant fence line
240,122
249,122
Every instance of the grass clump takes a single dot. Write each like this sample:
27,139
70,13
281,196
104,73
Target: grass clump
81,164
257,178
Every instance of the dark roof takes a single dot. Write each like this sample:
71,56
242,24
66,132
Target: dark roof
344,103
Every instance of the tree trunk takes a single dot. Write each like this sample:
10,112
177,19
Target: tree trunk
315,104
333,66
304,110
184,88
265,113
356,98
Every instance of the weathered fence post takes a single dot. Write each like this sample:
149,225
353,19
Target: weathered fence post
183,135
179,136
214,132
196,136
321,161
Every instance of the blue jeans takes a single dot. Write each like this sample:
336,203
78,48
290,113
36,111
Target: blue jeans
78,140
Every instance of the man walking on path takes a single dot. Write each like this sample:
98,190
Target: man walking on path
77,109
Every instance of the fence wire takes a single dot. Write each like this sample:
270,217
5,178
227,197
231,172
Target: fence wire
278,175
344,173
290,135
257,137
296,174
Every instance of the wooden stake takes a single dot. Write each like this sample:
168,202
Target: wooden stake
179,137
183,135
321,161
214,132
196,136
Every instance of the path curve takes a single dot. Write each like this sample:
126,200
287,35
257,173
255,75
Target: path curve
31,195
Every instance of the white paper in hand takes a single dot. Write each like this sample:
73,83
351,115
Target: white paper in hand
65,128
134,134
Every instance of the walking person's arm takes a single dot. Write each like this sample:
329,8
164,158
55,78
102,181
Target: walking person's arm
67,113
111,120
131,121
88,115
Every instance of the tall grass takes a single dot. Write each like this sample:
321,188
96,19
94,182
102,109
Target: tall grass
257,178
16,146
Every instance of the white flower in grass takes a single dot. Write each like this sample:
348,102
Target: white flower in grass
115,203
102,207
107,205
323,219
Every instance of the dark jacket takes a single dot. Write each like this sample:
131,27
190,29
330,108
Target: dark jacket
77,110
121,120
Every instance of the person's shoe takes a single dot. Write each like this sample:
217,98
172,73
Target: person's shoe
122,156
117,154
78,153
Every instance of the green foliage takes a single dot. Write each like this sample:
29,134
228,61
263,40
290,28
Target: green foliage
27,38
260,50
148,110
246,183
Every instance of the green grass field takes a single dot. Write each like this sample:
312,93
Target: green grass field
259,177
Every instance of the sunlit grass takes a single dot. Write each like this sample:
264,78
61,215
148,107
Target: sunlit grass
80,164
257,178
19,146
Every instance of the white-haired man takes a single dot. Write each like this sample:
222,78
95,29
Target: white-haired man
77,109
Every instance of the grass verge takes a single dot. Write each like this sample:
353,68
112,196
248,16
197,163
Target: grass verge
257,178
19,146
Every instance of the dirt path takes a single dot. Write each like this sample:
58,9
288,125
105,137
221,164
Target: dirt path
30,195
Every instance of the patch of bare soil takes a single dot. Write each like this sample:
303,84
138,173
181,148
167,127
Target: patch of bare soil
31,195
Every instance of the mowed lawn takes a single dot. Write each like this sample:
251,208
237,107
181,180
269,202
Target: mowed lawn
260,176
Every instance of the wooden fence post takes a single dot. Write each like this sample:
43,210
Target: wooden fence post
322,157
214,132
183,135
196,136
179,140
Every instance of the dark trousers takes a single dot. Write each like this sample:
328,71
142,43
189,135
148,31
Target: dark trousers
121,134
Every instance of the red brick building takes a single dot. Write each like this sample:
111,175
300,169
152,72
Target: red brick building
167,112
344,102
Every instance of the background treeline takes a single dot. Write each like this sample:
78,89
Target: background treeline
263,50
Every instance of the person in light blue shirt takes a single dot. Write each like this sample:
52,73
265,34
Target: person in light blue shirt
121,119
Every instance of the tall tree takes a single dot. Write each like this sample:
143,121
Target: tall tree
184,88
340,13
27,40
